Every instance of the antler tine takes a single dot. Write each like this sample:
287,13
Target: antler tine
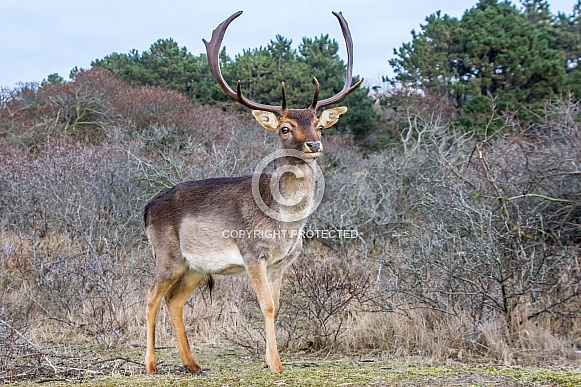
213,52
283,97
316,96
347,88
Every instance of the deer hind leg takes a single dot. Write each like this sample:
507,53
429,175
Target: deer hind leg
155,294
175,298
258,277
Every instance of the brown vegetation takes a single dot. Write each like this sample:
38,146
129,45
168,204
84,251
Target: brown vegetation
466,246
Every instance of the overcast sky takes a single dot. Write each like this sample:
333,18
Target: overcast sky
40,37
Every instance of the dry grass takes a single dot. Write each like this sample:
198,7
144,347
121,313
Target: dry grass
232,366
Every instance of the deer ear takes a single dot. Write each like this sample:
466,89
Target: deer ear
330,117
266,119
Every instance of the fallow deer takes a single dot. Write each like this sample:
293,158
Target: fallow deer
186,224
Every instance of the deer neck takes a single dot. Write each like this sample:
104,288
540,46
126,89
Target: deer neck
296,185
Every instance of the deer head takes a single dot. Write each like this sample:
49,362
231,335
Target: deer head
299,129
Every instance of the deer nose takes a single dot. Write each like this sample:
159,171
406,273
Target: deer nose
313,146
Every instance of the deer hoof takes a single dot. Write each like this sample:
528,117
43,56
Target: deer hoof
151,369
194,369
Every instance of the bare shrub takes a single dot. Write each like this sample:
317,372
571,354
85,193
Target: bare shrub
25,116
72,212
318,297
481,238
96,107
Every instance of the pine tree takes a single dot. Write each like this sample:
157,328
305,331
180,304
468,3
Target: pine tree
493,50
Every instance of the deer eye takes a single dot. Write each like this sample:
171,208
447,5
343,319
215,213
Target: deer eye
284,130
320,128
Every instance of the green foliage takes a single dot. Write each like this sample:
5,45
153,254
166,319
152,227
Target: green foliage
361,119
568,35
504,56
53,79
518,57
430,59
262,70
320,56
167,65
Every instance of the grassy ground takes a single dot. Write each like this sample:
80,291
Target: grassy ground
234,367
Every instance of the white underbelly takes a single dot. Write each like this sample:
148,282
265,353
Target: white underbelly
226,260
207,249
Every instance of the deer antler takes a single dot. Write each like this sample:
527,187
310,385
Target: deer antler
347,88
213,51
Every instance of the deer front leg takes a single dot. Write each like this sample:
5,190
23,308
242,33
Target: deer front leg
259,279
275,285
